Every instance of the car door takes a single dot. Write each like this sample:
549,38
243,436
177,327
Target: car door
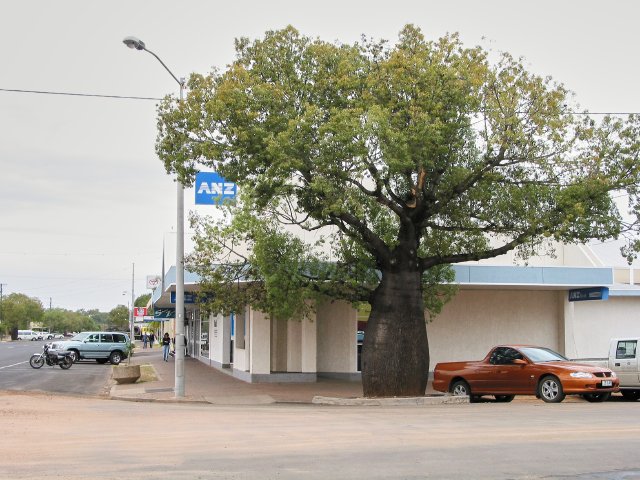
509,377
106,344
626,362
91,346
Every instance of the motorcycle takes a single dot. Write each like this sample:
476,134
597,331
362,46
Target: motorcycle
51,357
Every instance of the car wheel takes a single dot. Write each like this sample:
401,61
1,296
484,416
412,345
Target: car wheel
115,358
550,389
630,395
101,361
596,397
504,398
75,356
459,388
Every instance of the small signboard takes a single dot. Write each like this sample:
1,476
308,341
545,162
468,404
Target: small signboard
139,311
162,313
583,294
153,281
212,189
188,297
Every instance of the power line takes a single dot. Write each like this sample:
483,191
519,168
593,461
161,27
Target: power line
125,97
73,94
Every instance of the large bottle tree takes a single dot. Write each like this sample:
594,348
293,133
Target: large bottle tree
397,161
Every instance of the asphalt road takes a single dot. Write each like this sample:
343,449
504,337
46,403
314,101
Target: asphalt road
60,437
84,377
56,436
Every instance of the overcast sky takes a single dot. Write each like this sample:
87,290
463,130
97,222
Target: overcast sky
83,195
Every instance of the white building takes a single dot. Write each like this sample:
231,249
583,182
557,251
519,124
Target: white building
498,302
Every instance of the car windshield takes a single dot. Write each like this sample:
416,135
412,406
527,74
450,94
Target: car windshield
541,354
80,336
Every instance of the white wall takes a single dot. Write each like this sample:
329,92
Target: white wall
336,337
596,322
309,344
301,345
242,355
219,339
476,320
259,343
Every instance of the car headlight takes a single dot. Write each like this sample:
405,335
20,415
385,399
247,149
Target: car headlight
613,374
580,375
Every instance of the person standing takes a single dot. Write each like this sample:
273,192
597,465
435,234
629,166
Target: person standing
152,338
166,343
144,340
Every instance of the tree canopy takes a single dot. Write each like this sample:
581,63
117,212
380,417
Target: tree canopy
119,318
397,161
19,311
64,321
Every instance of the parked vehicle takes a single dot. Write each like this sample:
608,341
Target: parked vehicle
27,335
41,333
622,359
510,370
101,346
51,356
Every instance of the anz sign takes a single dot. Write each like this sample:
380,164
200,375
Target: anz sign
212,189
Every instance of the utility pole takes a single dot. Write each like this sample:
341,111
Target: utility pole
133,275
1,314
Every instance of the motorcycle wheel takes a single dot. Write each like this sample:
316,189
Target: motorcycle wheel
36,360
66,363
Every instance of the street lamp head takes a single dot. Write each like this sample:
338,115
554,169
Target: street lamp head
133,42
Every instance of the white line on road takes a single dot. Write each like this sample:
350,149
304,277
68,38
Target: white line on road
9,366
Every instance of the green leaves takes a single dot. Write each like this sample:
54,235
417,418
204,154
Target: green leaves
421,154
19,311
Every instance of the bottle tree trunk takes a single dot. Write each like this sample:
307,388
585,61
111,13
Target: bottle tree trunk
395,356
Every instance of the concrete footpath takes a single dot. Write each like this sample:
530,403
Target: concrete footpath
206,384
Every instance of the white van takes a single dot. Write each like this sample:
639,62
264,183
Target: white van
27,335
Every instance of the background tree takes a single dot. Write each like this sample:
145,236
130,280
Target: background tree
20,312
56,320
119,318
101,319
142,301
65,321
398,161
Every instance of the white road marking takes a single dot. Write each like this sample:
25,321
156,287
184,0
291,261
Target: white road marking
9,366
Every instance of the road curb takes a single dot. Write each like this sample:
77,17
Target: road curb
395,401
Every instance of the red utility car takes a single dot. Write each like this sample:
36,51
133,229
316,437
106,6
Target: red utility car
510,370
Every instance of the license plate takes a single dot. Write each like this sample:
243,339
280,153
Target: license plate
607,383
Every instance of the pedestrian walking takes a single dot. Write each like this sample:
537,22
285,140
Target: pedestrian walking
166,343
152,338
144,340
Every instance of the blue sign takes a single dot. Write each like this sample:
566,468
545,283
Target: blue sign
188,297
212,189
582,294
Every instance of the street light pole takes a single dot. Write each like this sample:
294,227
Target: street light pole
133,305
133,42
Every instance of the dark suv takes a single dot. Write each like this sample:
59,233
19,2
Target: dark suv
102,346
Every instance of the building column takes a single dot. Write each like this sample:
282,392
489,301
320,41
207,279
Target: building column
567,327
308,343
259,343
